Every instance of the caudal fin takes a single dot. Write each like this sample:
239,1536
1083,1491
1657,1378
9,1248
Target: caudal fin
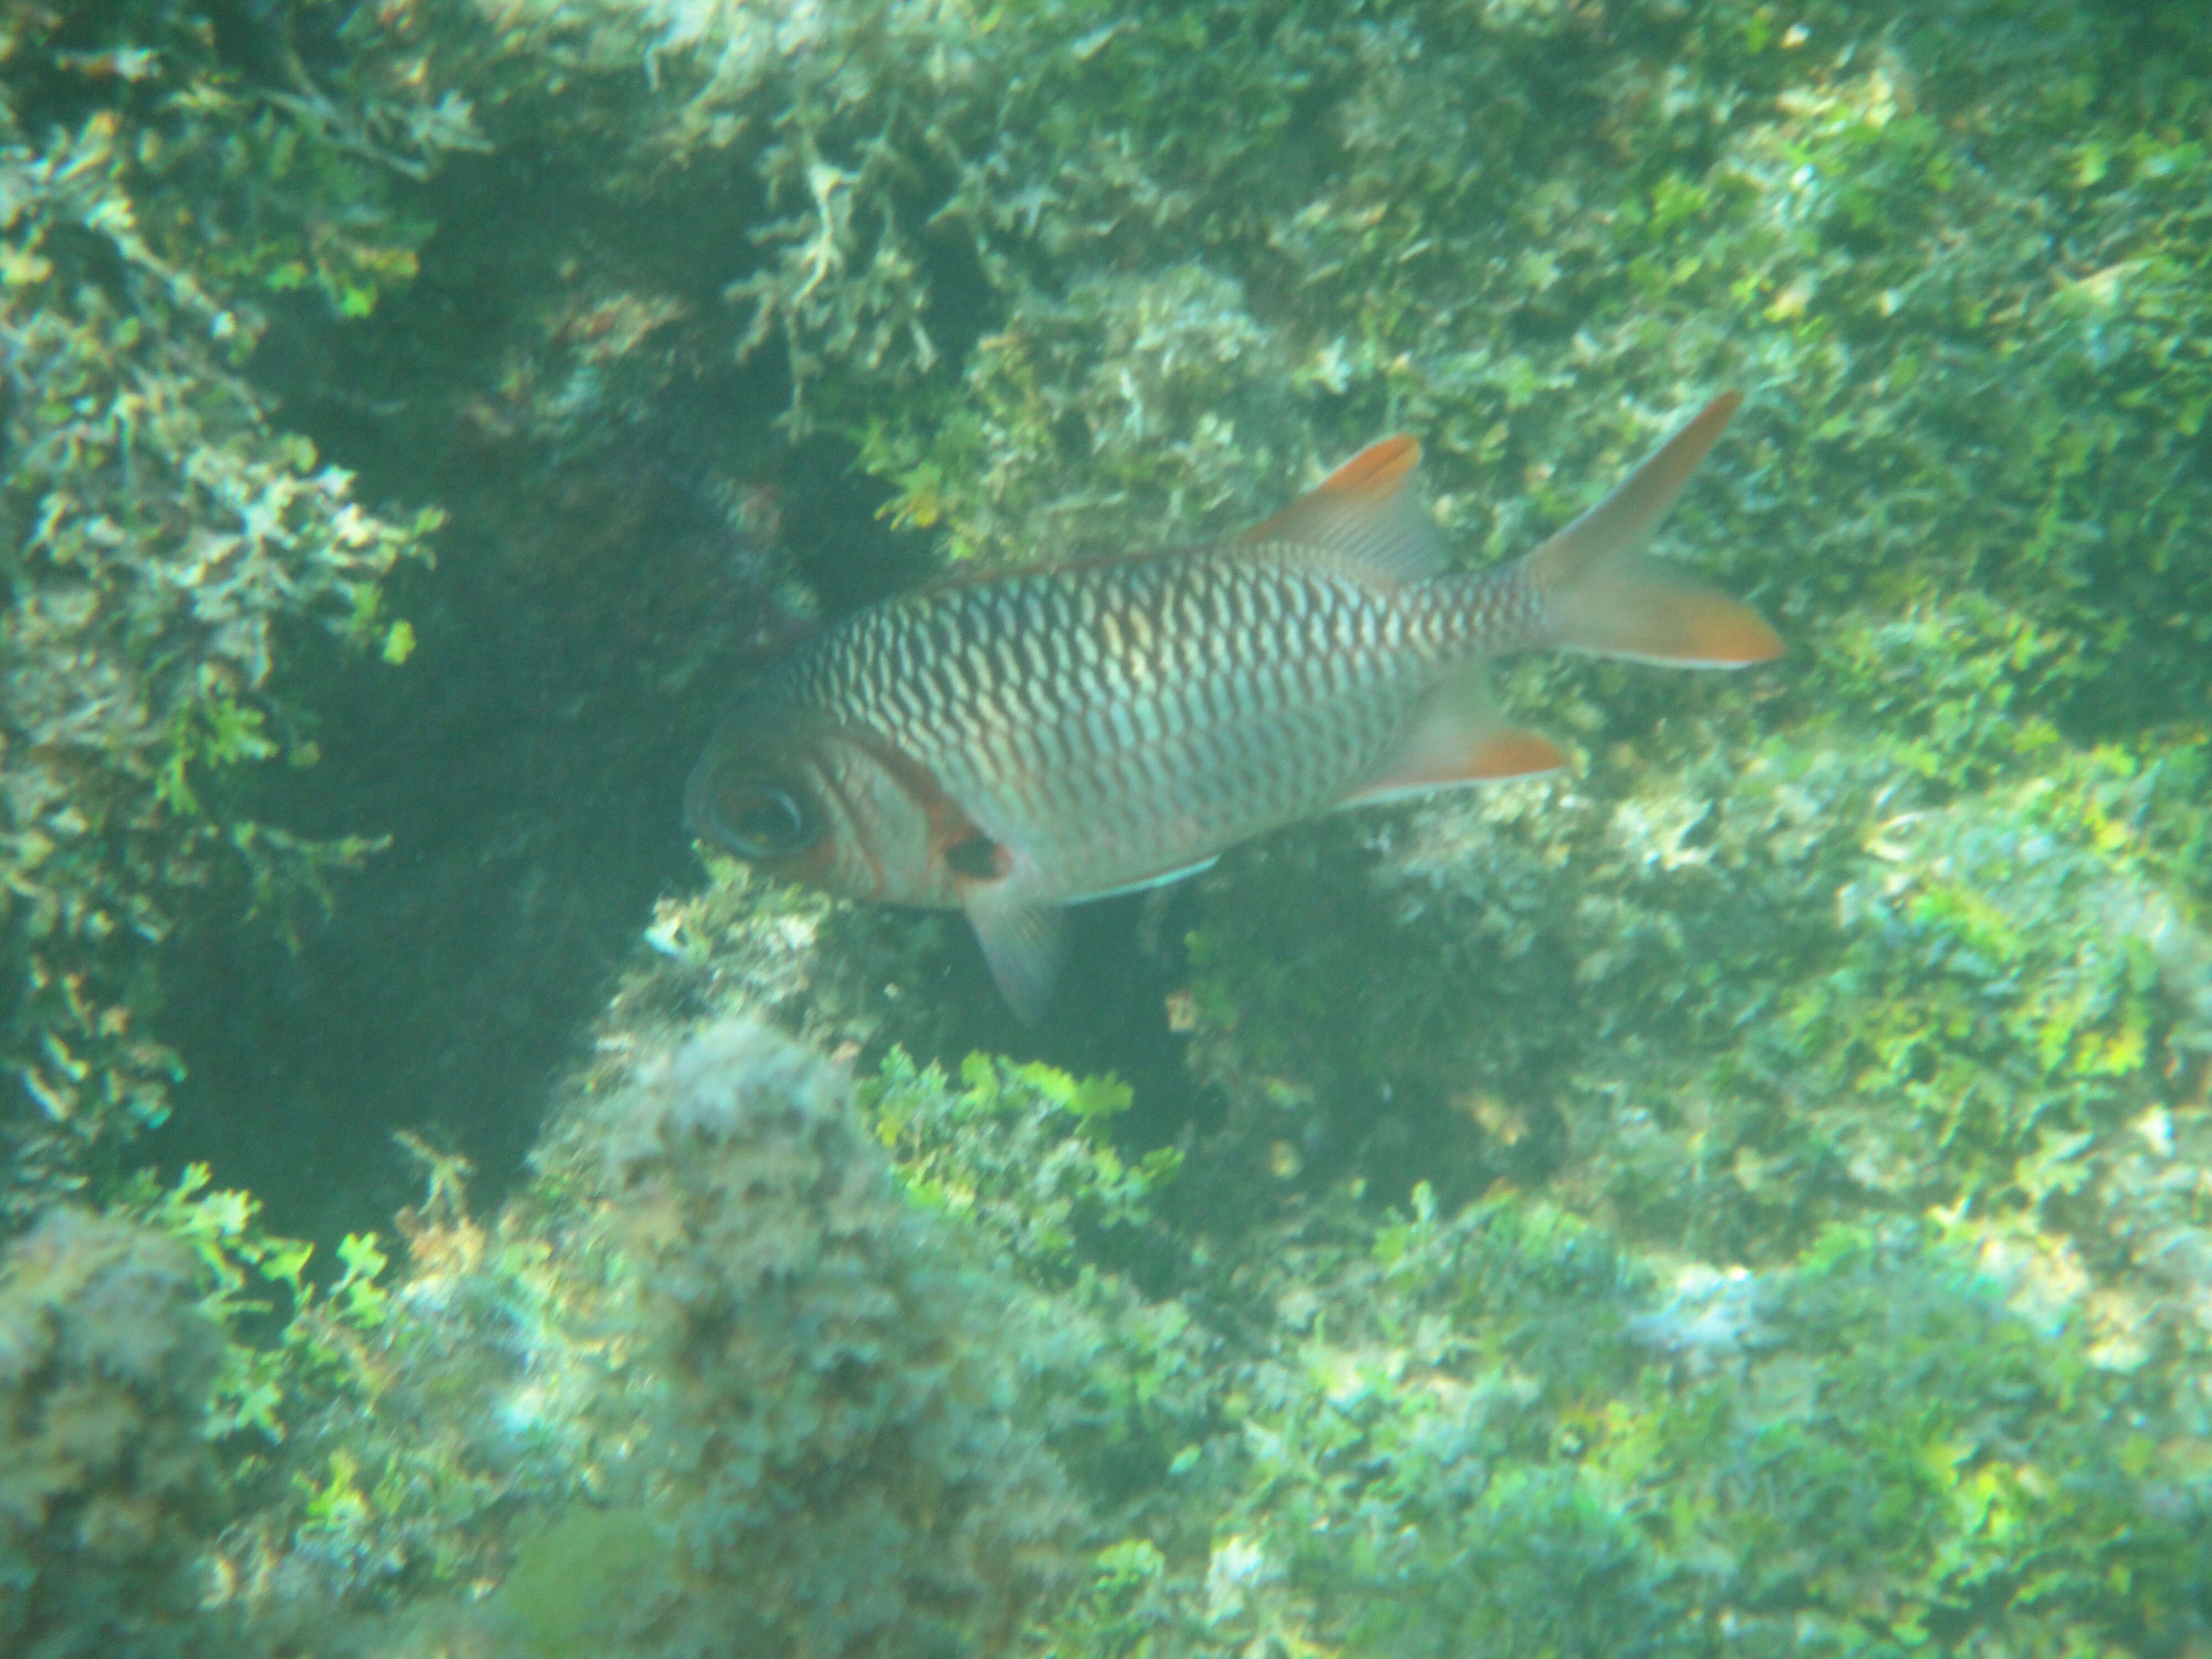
1597,593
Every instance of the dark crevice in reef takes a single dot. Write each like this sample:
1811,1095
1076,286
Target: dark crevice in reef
527,764
601,585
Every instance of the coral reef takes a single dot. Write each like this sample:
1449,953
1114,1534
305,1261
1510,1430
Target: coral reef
162,533
1747,1193
1878,982
109,1491
1496,1432
831,1456
716,1376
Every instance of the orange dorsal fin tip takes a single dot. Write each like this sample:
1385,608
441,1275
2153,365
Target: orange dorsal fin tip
1361,520
1366,483
1376,471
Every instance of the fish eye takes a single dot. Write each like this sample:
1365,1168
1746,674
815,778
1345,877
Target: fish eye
766,822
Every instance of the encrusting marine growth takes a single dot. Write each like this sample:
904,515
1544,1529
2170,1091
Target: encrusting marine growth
109,1486
834,1444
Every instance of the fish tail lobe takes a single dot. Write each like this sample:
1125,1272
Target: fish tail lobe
1597,592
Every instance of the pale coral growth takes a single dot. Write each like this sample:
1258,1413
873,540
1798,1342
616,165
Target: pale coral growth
107,1483
833,1449
1716,1316
822,100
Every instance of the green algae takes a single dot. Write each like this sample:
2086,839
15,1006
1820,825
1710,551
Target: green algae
163,532
571,1585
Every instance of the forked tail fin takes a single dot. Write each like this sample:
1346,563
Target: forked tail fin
1595,592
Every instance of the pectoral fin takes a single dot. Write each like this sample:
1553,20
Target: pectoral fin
1461,739
1022,942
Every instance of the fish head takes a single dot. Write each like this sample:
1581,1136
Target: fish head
829,807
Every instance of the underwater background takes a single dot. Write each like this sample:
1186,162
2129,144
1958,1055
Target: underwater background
1749,1193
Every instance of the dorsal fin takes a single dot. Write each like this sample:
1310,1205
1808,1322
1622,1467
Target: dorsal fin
1363,519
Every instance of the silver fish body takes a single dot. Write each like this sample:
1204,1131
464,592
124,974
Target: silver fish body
1012,745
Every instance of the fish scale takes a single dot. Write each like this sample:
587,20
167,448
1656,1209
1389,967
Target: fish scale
1014,744
1282,674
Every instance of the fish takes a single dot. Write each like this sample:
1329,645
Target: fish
1014,744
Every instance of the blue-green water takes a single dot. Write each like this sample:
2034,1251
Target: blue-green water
1745,1192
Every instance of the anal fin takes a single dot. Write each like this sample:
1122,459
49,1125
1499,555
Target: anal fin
1461,739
